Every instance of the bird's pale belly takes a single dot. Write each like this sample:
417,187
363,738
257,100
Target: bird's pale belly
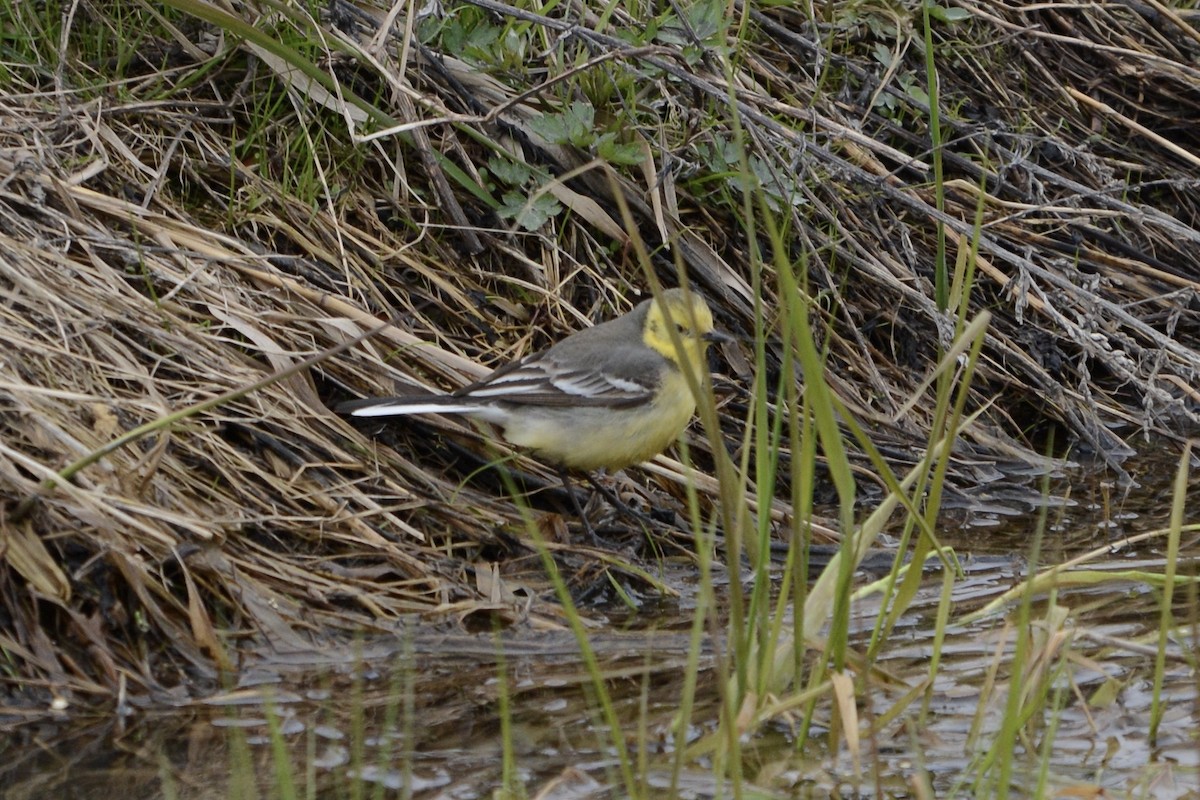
588,439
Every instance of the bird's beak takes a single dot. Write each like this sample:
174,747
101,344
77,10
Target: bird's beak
716,336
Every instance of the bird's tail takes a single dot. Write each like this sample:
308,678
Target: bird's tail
403,406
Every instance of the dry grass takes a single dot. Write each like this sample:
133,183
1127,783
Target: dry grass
174,226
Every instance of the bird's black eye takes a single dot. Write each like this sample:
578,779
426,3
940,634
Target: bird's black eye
680,328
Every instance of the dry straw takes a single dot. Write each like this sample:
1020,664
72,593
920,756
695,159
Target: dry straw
149,264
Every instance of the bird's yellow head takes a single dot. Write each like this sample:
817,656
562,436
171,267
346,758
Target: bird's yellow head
688,315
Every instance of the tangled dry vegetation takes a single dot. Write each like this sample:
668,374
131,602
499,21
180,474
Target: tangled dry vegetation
189,205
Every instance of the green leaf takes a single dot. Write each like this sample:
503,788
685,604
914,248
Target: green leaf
529,215
948,15
508,171
574,125
614,152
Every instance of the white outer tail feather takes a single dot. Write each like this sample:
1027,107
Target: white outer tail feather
403,409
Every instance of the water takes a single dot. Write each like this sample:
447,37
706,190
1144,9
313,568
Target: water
420,713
